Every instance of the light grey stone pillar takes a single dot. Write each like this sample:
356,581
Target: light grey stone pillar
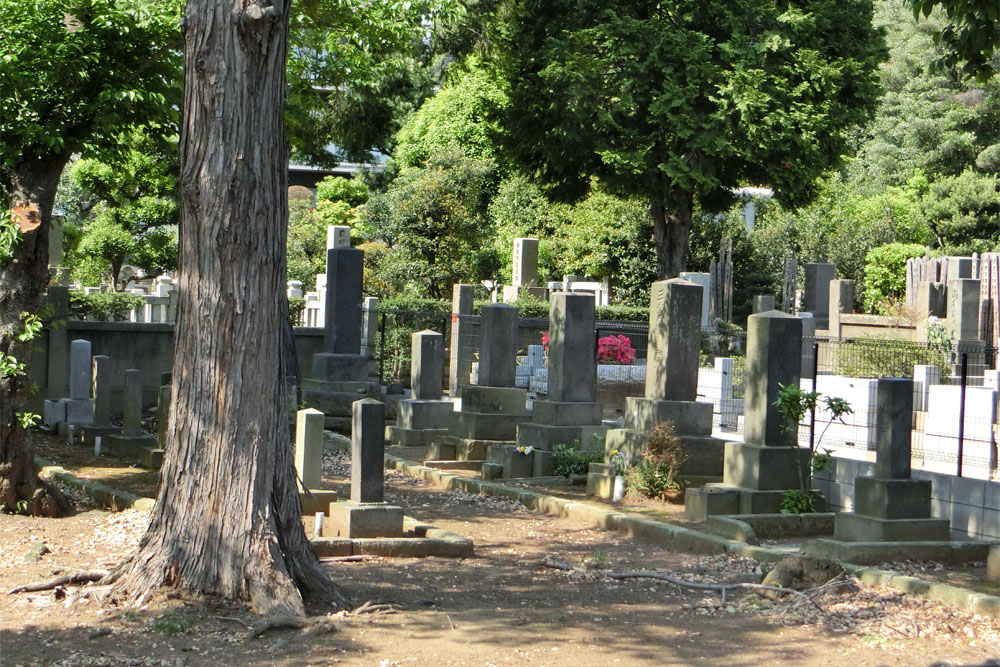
525,269
959,268
674,340
498,345
923,377
963,309
369,325
763,303
367,451
345,270
460,353
808,339
841,303
816,298
931,299
572,366
309,447
426,365
102,389
893,420
789,284
705,280
80,374
774,356
338,236
132,408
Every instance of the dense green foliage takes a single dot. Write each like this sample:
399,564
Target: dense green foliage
683,102
971,36
123,209
881,356
568,460
336,203
104,306
885,274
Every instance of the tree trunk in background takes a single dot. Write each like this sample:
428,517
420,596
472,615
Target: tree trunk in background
22,285
672,231
227,519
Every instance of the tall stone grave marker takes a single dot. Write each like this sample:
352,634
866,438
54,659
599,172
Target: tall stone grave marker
524,274
569,416
891,506
671,386
492,409
80,406
816,297
131,443
769,462
424,417
100,425
366,514
460,365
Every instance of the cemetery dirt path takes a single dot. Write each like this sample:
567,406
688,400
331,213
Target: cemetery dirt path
501,607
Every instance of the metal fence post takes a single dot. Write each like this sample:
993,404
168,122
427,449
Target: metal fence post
812,421
961,411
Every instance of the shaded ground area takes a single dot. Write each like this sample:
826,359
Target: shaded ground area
500,608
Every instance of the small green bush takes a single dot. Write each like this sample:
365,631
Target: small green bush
882,356
568,461
106,306
885,274
296,304
655,474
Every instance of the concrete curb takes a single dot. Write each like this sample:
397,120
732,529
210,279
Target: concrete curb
105,496
685,539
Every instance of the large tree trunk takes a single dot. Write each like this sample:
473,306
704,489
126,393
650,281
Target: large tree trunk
672,231
22,285
227,519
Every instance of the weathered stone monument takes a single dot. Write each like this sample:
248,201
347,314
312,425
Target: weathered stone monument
100,426
963,324
769,462
367,514
424,417
763,303
931,299
569,415
816,296
891,506
131,443
705,280
78,409
462,328
841,303
309,462
340,371
671,387
492,409
524,275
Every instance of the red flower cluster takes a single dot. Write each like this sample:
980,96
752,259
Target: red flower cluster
615,350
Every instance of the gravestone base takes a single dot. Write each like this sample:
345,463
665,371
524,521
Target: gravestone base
316,500
467,449
546,436
873,553
892,498
53,414
423,414
514,292
331,367
486,426
601,481
750,501
352,519
494,400
335,398
413,437
141,447
512,462
688,417
764,468
88,432
542,463
566,413
705,453
859,528
442,451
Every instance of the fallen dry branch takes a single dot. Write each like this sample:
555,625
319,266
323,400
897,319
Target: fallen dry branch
76,578
723,588
309,626
348,559
369,608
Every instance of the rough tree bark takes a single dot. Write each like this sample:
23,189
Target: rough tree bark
22,285
672,232
227,519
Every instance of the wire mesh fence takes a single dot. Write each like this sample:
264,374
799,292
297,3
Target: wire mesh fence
955,412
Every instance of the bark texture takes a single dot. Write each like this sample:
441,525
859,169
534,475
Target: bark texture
22,285
227,518
672,232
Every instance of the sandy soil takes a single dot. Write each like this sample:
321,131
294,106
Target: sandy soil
502,607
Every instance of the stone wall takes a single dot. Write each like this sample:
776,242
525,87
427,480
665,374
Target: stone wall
972,505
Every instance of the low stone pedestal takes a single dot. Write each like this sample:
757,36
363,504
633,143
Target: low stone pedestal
574,424
333,367
141,447
352,519
701,503
688,417
334,399
601,481
859,528
317,500
489,418
420,422
513,462
765,468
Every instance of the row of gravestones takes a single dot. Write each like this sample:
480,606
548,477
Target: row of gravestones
85,415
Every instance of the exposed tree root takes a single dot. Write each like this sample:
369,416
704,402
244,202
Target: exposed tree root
76,578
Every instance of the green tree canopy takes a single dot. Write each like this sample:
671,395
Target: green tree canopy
971,36
684,101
